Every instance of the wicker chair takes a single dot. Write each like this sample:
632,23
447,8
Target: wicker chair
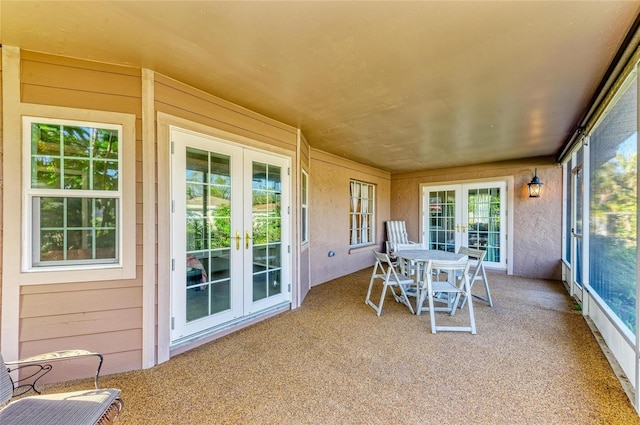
88,407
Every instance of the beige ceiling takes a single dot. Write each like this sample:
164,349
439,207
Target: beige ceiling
401,86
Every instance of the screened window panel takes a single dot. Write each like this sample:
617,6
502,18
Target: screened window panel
567,205
613,203
304,216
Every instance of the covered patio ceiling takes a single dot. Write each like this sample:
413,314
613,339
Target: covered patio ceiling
400,86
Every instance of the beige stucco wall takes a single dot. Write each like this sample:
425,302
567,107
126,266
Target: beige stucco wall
329,215
537,222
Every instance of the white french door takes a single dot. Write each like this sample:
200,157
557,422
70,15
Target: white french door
229,233
472,215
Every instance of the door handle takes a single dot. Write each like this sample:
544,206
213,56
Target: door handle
238,237
457,227
247,238
464,228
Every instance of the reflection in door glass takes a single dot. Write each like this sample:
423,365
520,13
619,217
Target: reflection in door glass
266,223
483,225
442,209
208,233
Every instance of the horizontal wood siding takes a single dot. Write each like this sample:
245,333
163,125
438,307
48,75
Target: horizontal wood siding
98,316
175,98
77,324
57,303
107,316
126,358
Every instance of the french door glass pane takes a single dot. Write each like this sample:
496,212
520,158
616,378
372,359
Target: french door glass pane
613,206
483,225
208,233
266,224
442,220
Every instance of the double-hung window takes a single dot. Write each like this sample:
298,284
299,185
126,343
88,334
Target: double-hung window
73,192
362,214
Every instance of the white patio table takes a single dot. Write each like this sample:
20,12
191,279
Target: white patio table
419,258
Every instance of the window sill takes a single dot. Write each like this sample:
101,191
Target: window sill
356,248
77,274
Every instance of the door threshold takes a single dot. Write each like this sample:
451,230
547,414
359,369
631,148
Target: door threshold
192,341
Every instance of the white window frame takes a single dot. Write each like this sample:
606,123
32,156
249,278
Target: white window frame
125,266
366,226
304,207
33,194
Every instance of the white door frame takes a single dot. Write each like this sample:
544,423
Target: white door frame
243,154
507,180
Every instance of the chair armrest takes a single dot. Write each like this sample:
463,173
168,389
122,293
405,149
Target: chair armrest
42,365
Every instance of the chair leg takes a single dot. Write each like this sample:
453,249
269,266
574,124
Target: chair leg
404,299
488,300
384,292
377,308
368,298
420,298
471,316
454,304
486,288
432,313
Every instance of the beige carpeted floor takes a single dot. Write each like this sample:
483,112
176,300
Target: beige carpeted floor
333,361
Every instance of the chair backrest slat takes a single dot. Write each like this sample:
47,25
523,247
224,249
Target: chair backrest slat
450,266
397,232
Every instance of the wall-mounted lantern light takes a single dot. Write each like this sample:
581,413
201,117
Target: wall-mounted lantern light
535,187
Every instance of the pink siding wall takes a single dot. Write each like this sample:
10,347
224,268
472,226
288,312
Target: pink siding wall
329,215
97,316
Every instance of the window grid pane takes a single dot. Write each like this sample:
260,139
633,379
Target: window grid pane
74,158
76,229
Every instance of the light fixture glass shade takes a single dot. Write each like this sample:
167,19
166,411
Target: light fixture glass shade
535,187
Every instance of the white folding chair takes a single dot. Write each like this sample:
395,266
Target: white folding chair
457,286
396,235
386,272
477,272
